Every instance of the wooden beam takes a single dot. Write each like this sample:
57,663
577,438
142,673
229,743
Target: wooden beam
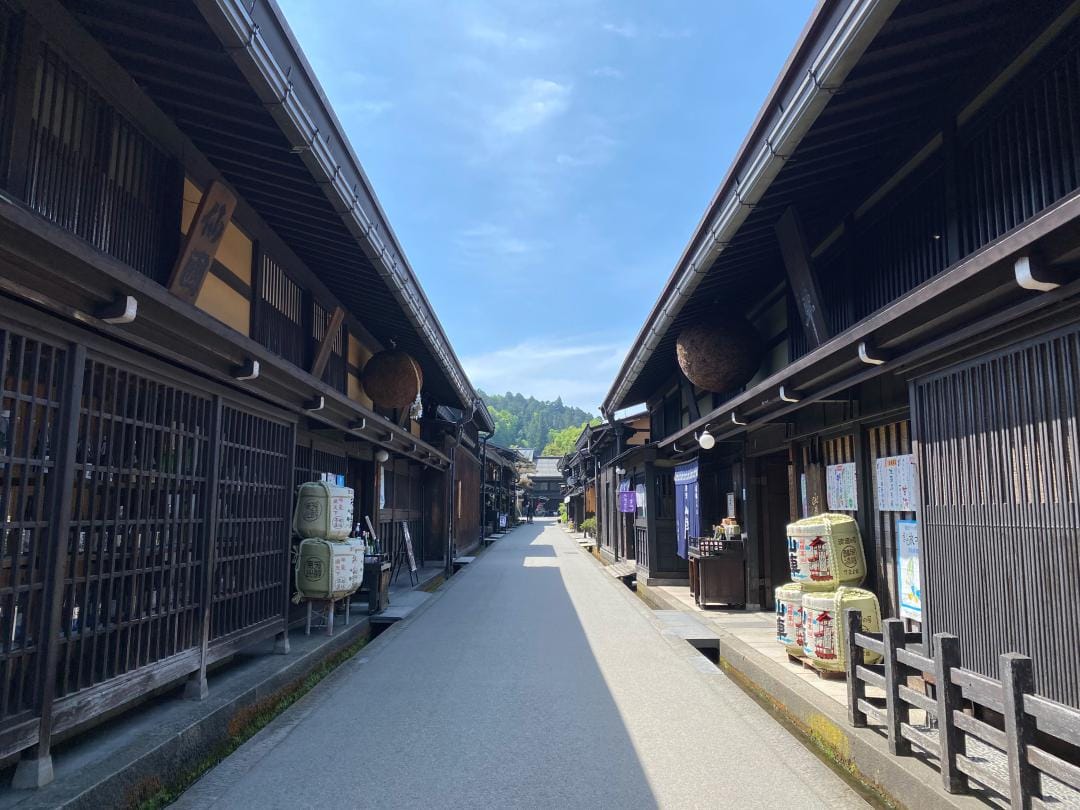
796,258
688,395
326,345
201,243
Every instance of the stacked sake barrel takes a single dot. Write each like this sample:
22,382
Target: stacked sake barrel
329,565
827,564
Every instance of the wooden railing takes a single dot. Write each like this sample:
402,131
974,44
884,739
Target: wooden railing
1030,757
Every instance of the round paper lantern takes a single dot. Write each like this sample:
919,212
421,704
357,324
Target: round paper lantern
719,354
392,379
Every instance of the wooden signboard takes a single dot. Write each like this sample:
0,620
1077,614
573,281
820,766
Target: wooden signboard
201,243
408,546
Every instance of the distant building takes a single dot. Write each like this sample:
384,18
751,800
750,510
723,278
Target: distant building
547,482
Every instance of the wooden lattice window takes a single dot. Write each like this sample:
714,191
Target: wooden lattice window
30,390
251,563
92,172
279,323
136,548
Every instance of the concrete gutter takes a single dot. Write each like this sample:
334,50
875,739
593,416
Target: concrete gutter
909,782
128,759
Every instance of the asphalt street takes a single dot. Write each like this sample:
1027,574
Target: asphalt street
533,679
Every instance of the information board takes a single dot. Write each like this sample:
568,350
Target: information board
908,572
896,483
840,488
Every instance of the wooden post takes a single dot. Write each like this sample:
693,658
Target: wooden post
326,345
196,687
892,637
1017,680
950,698
856,689
281,641
35,769
200,246
804,287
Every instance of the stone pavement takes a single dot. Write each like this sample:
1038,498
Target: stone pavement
533,679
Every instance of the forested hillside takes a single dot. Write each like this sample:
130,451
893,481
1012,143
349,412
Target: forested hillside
527,421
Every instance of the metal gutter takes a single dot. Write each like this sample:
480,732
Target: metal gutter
781,125
344,183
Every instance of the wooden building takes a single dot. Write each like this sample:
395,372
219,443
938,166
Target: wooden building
546,485
894,249
194,277
500,488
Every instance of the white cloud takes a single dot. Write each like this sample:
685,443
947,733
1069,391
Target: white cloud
579,368
594,150
496,37
606,72
367,108
537,101
627,29
489,241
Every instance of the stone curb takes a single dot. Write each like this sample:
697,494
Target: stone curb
909,782
173,735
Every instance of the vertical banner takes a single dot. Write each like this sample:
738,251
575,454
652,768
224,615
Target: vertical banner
627,497
908,575
687,520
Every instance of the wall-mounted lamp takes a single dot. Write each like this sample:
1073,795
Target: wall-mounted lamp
706,440
620,471
382,456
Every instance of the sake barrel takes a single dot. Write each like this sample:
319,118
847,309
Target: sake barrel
823,624
359,548
326,569
323,510
825,552
789,617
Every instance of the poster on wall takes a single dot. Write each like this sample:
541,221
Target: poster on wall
840,487
686,505
896,483
908,574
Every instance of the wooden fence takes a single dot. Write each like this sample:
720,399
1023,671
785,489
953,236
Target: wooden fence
997,734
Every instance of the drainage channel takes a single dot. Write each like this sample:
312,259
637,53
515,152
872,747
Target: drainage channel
711,651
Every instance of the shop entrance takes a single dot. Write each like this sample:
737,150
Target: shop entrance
771,511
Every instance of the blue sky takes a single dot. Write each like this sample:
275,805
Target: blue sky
544,162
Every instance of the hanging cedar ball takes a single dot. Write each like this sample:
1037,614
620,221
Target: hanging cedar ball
719,354
392,379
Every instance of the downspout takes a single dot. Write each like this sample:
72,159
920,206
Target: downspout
483,486
451,545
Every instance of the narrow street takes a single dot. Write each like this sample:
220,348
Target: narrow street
531,682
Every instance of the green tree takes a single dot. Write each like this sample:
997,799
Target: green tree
562,441
526,421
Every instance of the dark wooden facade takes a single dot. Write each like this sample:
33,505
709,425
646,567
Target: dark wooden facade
937,211
152,435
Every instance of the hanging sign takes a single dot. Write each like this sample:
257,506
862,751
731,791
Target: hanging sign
908,573
895,483
627,497
840,488
687,522
802,496
502,520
